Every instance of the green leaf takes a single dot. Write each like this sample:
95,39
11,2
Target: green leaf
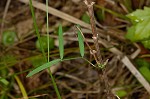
4,81
140,62
139,15
141,23
143,30
121,93
145,72
146,44
85,18
61,44
131,33
42,67
81,42
140,31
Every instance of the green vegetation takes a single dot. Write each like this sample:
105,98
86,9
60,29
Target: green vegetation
139,31
85,18
121,93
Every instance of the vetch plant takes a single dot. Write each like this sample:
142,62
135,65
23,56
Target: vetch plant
61,52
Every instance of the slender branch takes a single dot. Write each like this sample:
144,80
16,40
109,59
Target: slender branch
93,27
102,73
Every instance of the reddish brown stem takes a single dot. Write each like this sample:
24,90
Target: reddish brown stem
93,27
103,77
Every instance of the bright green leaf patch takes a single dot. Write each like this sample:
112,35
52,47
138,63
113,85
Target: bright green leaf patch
121,93
140,30
146,44
130,34
44,66
140,15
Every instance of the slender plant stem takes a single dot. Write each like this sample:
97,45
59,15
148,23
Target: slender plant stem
93,27
50,73
47,29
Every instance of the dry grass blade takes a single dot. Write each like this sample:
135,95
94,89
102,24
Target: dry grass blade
57,13
118,34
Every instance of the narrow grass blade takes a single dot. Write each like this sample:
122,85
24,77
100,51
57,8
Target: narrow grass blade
61,42
81,42
42,67
52,78
47,29
23,91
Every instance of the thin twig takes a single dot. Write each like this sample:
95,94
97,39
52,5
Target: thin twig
102,74
93,27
